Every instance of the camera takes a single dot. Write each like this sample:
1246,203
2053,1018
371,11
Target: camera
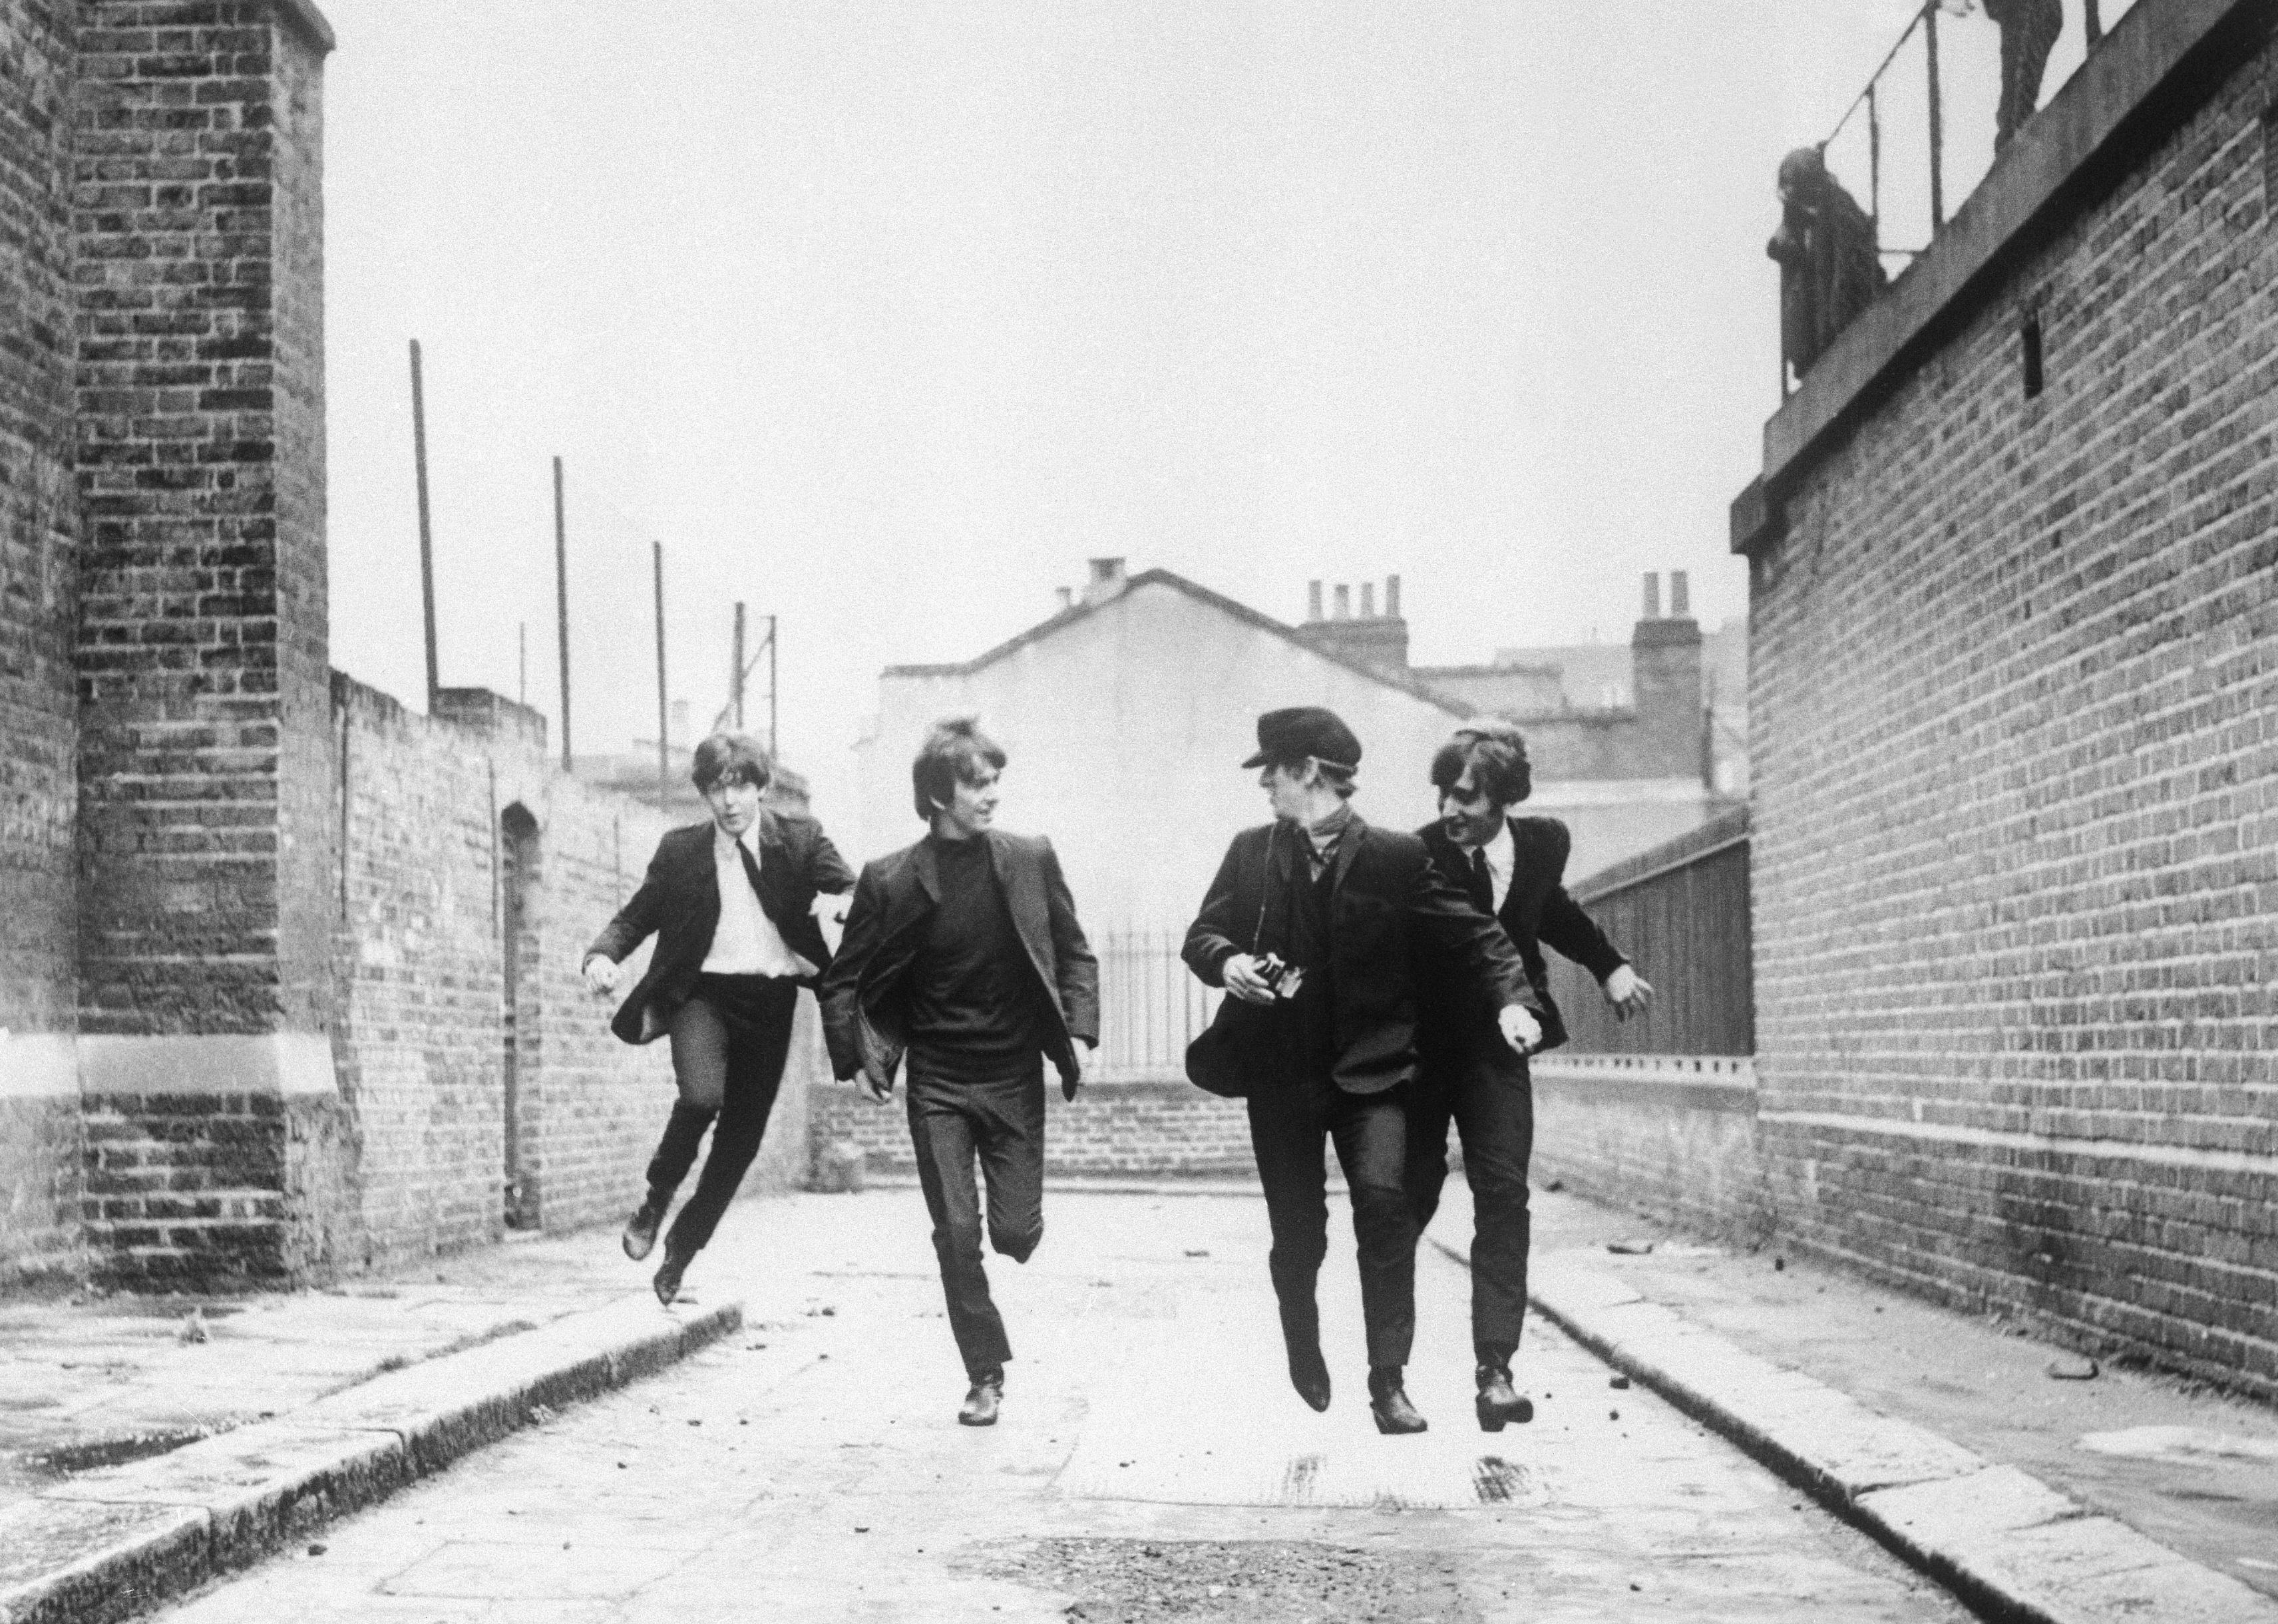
1272,970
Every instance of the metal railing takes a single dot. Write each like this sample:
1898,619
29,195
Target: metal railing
1150,1006
1874,97
1680,914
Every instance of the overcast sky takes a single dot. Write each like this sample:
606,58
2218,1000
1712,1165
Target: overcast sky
885,317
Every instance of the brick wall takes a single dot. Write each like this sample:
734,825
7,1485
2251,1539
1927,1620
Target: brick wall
1673,1137
38,526
2015,725
39,1144
1152,1126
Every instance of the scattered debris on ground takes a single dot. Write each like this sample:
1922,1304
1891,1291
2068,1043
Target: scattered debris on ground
1269,1581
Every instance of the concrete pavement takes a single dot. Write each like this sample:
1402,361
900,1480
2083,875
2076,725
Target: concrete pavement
1995,1460
1148,1412
1152,1464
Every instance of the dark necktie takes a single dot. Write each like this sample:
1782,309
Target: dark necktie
1482,881
751,871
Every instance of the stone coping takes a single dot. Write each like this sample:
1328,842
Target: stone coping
112,1543
2004,1540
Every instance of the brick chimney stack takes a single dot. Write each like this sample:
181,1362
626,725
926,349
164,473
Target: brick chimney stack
1665,671
1379,641
1107,580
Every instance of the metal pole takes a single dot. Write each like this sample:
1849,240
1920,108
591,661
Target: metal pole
664,744
1936,123
2094,21
426,543
1875,166
562,608
736,672
773,748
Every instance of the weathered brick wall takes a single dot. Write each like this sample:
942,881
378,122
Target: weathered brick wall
457,833
420,1045
39,1144
2014,678
39,523
1159,1127
1672,1137
202,636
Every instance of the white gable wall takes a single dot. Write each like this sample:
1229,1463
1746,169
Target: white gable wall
1125,730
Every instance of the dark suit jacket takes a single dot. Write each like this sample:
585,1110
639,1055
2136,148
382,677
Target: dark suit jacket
866,996
1386,896
679,900
1535,911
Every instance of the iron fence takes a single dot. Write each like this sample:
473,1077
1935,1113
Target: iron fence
1150,1006
1680,914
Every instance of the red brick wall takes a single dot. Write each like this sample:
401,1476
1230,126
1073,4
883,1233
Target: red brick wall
2014,677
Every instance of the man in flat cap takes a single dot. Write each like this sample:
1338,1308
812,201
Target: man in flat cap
1309,927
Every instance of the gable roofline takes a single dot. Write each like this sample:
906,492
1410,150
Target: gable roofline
1243,612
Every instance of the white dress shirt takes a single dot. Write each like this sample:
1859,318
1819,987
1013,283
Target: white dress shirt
745,942
1502,854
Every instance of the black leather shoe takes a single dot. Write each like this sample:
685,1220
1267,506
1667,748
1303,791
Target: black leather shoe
640,1229
1499,1401
1388,1401
981,1403
667,1284
1309,1374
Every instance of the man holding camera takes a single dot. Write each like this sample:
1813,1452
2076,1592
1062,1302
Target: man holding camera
1309,928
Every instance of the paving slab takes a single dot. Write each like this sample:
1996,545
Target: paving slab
183,1459
1749,1343
810,1467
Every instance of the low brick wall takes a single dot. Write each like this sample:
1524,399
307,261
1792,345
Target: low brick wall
1155,1126
41,1150
1670,1136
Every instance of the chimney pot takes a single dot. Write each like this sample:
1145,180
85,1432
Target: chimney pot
1652,596
1392,597
1312,600
1344,603
1106,580
1679,599
1368,600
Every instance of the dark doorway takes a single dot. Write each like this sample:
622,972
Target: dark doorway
518,940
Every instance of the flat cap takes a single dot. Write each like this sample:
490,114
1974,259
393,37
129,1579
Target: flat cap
1305,730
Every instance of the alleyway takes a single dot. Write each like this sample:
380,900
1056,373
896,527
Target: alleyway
1152,1464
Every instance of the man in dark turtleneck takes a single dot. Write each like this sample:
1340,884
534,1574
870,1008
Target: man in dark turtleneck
963,953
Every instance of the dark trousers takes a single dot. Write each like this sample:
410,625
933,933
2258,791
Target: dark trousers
1001,1125
1288,1123
729,1043
1491,1101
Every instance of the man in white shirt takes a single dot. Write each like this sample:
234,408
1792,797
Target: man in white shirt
731,903
1512,868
